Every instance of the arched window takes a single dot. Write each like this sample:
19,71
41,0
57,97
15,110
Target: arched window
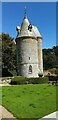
30,69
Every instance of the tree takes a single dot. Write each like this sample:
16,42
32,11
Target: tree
8,52
55,49
50,58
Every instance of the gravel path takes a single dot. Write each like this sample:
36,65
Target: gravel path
5,113
52,116
5,84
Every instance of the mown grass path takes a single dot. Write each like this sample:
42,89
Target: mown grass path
29,101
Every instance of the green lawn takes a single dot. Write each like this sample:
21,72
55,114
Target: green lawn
0,95
29,101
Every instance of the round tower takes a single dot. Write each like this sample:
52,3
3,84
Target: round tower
40,55
27,50
40,73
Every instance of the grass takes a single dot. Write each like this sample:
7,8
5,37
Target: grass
0,95
29,101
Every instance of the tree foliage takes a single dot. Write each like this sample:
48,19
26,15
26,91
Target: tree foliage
8,52
50,58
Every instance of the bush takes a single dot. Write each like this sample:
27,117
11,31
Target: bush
56,71
52,70
21,80
53,78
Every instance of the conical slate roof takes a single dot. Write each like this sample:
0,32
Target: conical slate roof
27,29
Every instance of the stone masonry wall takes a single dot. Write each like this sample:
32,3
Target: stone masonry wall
40,56
27,54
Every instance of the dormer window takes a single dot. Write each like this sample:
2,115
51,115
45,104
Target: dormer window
30,27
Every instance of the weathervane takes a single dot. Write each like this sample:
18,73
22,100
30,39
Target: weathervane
24,11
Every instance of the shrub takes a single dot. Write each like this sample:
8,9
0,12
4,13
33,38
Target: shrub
56,71
17,80
52,70
53,78
21,80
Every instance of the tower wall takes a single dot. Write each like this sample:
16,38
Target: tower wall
40,56
27,57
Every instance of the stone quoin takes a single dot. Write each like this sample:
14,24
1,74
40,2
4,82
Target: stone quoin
29,50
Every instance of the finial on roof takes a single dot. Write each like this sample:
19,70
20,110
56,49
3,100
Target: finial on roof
25,12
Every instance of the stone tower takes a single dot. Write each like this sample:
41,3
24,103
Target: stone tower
29,50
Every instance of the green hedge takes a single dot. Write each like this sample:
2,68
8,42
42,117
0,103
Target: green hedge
53,78
21,80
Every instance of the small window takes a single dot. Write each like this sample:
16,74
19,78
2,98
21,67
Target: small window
30,69
29,58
